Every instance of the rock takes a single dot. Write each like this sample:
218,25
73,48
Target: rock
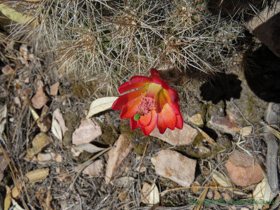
86,132
265,26
44,123
243,169
226,196
177,137
196,119
246,131
40,98
210,194
54,89
40,141
217,195
174,166
225,124
44,158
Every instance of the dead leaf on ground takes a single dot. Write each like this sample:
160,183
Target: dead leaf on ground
34,113
86,132
44,158
40,141
206,136
221,179
16,206
87,147
123,181
37,175
40,98
17,16
3,166
94,169
263,193
8,198
100,105
7,70
56,129
145,192
17,190
58,116
3,113
116,155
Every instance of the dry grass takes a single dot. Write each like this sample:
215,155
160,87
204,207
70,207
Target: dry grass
118,39
107,42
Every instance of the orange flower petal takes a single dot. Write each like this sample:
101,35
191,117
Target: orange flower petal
160,101
154,73
133,124
169,116
148,129
131,108
145,120
126,98
160,123
180,122
133,83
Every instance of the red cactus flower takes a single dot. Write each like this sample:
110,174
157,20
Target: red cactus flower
152,103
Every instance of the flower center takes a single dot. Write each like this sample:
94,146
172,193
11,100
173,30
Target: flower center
145,106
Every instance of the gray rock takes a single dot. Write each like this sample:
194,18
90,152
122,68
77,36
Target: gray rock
174,166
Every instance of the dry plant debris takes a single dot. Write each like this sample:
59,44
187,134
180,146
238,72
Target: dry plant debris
62,58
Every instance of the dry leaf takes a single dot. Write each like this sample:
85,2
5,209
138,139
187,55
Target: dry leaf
16,206
116,155
262,194
37,175
94,169
58,116
8,198
18,17
3,113
87,147
34,113
56,129
3,165
86,132
40,141
16,190
221,179
100,105
145,193
7,70
206,136
123,181
154,195
58,158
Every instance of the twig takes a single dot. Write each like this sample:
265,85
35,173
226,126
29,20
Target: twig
85,164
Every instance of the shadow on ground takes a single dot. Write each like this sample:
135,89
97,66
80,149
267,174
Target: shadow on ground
262,72
221,87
